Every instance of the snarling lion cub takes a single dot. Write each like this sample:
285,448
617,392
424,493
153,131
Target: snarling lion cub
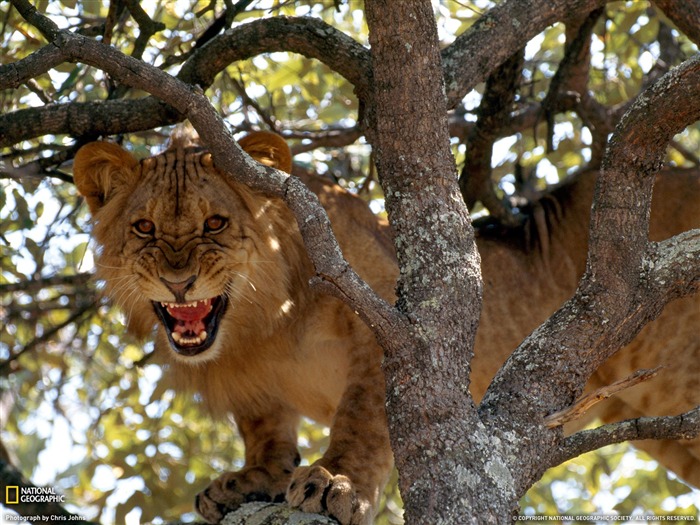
222,271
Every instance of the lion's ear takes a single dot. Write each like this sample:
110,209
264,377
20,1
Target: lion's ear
99,168
269,149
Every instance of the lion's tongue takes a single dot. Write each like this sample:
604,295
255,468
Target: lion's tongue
190,318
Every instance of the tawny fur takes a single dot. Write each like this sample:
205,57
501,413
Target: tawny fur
284,351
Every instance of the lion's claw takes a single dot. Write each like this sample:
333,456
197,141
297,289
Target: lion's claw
230,490
314,489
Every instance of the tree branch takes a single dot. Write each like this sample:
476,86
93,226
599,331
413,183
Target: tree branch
673,266
496,105
222,22
426,364
273,514
15,74
620,217
618,294
502,31
147,27
683,426
310,37
572,73
583,405
34,285
685,14
86,119
336,138
44,24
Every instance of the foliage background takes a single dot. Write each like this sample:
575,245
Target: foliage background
82,409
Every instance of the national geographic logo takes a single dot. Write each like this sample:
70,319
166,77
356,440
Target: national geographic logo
15,495
12,495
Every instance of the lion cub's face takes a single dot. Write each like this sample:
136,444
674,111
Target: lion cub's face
179,243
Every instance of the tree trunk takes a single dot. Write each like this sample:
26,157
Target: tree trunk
439,288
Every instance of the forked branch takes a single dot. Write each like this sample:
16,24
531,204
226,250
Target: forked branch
628,280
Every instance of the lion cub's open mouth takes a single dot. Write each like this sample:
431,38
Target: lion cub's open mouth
191,326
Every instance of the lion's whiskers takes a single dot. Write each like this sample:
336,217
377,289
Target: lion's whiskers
233,291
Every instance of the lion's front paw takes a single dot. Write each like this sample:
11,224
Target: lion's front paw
314,489
227,492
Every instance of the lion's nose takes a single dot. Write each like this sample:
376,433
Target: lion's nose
179,288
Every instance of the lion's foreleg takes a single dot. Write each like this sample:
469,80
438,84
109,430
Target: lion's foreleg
271,456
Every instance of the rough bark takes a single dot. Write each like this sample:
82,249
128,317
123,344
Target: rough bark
427,364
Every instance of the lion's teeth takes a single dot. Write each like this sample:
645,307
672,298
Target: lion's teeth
193,304
195,340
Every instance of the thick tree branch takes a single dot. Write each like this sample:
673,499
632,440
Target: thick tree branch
86,119
306,36
15,74
673,266
613,302
685,14
426,365
274,514
623,193
683,426
44,24
503,30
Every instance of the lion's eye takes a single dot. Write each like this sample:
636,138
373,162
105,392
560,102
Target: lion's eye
215,224
144,228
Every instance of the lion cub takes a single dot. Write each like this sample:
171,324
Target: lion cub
221,270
